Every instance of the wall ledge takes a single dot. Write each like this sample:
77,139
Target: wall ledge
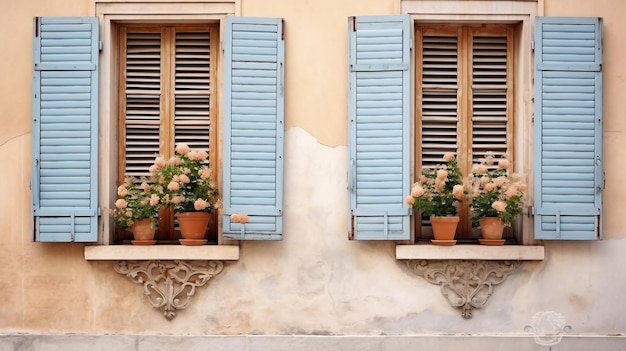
161,252
470,252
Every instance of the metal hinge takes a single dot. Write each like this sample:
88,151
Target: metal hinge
532,45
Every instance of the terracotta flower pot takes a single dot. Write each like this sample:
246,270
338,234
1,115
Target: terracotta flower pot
143,231
193,226
491,228
444,228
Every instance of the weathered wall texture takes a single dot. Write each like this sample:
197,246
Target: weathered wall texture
314,281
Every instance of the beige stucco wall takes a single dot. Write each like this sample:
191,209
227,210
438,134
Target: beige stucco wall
315,281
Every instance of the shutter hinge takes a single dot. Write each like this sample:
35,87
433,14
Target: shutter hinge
532,45
531,211
36,27
100,45
222,45
353,23
282,29
351,234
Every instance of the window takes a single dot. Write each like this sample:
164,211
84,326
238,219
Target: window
166,97
161,71
471,82
464,99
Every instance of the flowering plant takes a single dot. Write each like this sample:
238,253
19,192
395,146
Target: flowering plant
137,201
185,181
438,190
495,192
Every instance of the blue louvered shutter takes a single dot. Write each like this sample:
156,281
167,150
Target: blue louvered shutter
379,127
253,127
568,128
65,135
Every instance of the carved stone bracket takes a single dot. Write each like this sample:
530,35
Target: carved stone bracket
169,285
467,284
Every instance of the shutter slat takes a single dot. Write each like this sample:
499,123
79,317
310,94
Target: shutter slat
568,128
65,135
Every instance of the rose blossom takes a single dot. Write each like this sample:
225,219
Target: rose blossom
173,186
193,155
160,162
504,164
499,206
182,149
479,169
500,181
145,187
152,169
122,191
202,155
176,199
448,156
417,190
121,203
200,205
409,200
154,200
512,191
204,173
184,179
442,174
458,191
490,187
243,218
234,217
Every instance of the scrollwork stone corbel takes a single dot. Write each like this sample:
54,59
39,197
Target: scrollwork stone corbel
169,285
466,284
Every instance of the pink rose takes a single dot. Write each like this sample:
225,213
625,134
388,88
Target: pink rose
121,203
409,200
184,179
200,205
173,186
417,191
154,200
442,174
448,156
458,191
202,155
499,206
182,149
122,191
160,162
504,164
204,173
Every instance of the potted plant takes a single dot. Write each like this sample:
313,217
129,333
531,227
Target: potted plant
436,194
187,185
497,197
137,209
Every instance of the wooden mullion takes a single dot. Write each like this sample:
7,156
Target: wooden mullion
166,135
465,117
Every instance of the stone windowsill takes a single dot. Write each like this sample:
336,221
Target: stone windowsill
162,252
469,252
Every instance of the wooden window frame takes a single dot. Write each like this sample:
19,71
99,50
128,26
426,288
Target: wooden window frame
464,32
167,104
